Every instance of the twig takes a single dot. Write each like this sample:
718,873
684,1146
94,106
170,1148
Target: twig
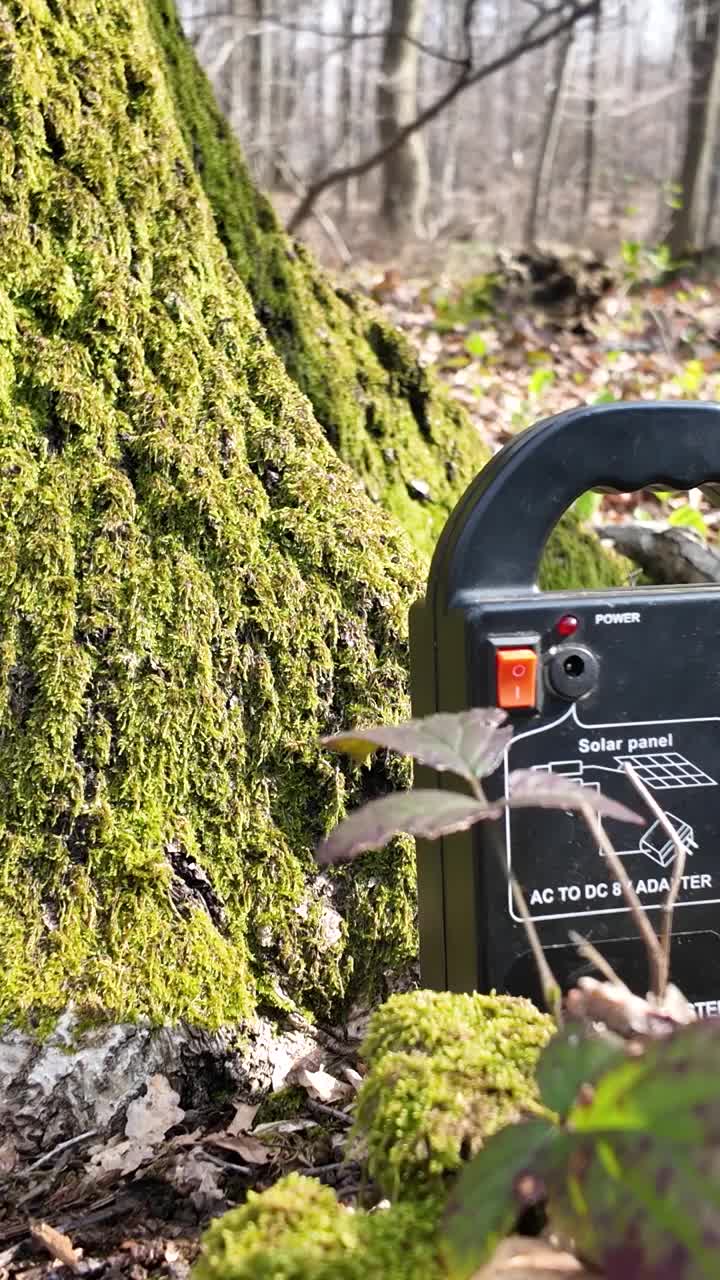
61,1146
226,1164
323,220
595,957
318,1170
637,911
668,906
320,1108
548,981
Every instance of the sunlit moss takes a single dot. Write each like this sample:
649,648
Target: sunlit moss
194,586
298,1231
445,1071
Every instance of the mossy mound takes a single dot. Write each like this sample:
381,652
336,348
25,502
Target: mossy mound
193,587
298,1231
446,1071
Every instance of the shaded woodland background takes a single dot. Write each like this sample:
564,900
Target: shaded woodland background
587,123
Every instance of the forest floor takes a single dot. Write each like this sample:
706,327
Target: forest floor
512,350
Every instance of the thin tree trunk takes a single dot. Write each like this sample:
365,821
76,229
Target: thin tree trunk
348,103
405,177
586,185
688,219
548,136
259,92
670,135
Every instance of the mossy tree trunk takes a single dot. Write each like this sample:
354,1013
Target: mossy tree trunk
206,463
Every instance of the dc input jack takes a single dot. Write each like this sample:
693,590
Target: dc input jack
572,671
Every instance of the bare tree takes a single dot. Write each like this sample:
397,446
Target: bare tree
548,134
260,88
549,23
405,176
690,216
590,116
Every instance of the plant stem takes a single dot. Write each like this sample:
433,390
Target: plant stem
639,915
591,953
548,982
681,853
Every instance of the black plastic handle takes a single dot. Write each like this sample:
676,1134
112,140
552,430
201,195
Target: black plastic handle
494,539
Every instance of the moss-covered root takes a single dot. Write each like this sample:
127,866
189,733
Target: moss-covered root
575,558
446,1071
298,1231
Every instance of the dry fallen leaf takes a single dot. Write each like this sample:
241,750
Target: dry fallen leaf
57,1245
322,1086
523,1258
242,1121
353,1077
244,1145
148,1120
8,1156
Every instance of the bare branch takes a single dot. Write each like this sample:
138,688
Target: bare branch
302,28
468,76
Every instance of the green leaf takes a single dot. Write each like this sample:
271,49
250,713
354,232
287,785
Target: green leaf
574,1057
539,380
672,1091
640,1193
492,1191
470,743
421,812
476,345
688,517
530,788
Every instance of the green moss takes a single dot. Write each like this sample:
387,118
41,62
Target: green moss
574,558
298,1231
385,413
193,588
446,1071
282,1105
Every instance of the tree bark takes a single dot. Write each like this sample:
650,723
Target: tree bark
405,177
198,582
548,134
688,220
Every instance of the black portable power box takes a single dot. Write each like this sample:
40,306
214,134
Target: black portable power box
590,679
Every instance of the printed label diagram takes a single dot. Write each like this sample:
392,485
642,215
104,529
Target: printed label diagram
553,855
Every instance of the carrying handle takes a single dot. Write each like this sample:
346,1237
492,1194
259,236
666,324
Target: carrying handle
494,539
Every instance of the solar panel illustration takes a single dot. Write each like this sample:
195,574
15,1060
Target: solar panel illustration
666,769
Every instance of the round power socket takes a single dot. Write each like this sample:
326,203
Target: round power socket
572,671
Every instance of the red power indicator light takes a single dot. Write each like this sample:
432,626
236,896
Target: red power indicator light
567,626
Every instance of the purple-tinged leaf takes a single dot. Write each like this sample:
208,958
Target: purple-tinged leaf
469,743
492,1191
576,1056
422,812
537,788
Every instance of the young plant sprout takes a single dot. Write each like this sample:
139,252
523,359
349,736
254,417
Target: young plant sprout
624,1145
470,745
